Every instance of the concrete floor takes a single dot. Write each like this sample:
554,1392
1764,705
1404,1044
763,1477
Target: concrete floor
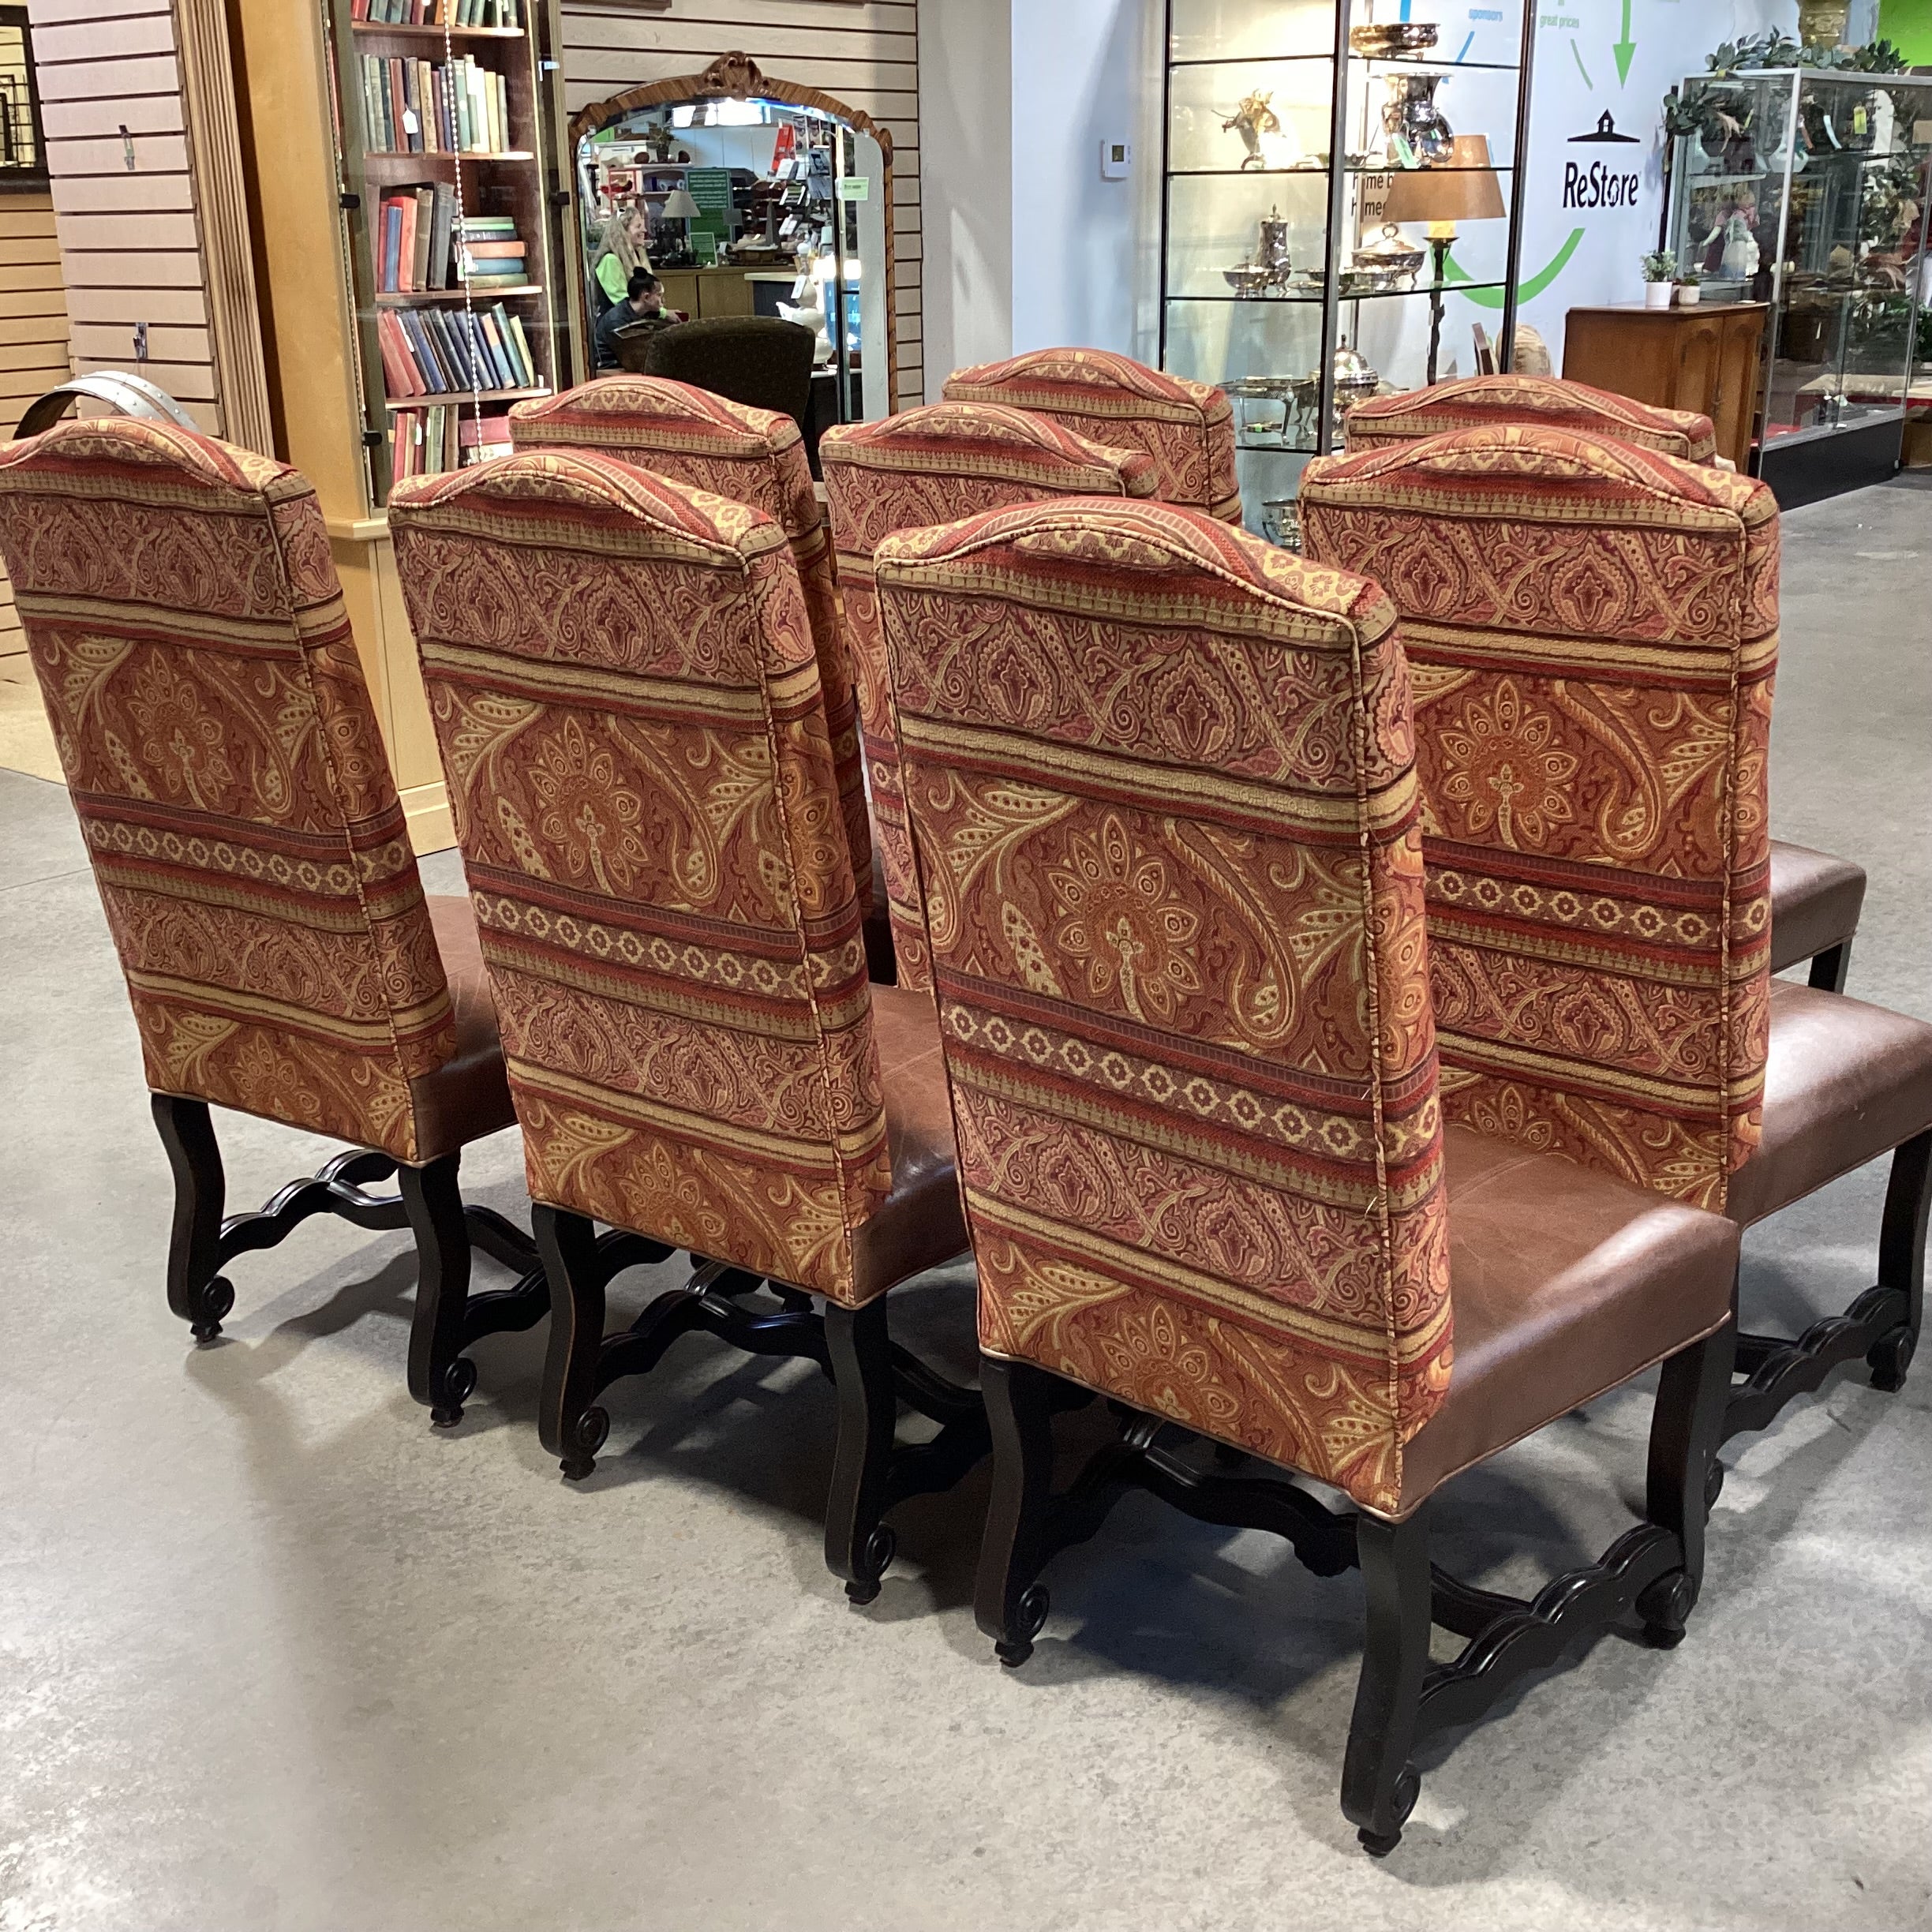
273,1657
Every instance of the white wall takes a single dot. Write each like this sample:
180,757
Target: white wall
966,119
1085,72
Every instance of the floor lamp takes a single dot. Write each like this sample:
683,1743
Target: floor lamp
1463,188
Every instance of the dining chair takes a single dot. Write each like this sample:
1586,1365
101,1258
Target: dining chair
754,456
931,465
182,611
1179,950
1592,631
1816,898
1188,427
625,691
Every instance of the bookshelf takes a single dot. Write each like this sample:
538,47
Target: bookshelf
450,245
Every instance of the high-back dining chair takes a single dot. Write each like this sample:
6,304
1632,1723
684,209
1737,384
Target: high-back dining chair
931,465
1178,949
183,617
756,457
1816,898
1188,427
624,689
1592,629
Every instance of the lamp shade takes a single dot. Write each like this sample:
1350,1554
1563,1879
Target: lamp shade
681,204
1464,188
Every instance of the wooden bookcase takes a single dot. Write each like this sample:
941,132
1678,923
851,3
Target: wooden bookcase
506,174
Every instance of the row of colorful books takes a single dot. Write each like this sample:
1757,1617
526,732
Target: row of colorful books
421,242
420,107
448,351
438,12
445,435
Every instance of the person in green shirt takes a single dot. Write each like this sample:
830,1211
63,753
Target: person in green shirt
622,250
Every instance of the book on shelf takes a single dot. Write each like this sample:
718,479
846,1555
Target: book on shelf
438,12
449,351
420,107
441,436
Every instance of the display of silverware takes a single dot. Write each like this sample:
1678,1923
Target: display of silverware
1417,131
1389,250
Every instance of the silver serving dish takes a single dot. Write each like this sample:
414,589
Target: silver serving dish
1247,279
1258,388
1354,280
1388,250
1281,522
1391,41
1353,375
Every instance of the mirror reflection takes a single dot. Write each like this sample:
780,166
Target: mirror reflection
733,214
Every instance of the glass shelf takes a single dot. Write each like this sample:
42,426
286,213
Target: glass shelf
1447,64
1348,167
1313,298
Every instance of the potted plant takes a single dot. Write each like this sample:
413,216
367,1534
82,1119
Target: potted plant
1660,272
1689,287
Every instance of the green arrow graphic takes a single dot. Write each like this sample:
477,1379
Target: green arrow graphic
1526,291
1626,49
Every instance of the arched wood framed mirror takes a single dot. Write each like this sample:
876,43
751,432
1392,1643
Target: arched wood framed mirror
748,195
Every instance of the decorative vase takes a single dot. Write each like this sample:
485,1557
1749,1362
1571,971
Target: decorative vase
1410,118
1656,295
1822,23
1687,294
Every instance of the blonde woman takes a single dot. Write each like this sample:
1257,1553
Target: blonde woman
622,250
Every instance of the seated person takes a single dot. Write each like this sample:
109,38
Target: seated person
644,302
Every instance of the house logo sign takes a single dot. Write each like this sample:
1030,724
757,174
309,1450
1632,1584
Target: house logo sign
1603,183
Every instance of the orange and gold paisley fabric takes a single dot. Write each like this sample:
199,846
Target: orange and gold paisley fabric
1592,632
1188,427
934,465
1541,402
622,678
1161,782
182,613
753,456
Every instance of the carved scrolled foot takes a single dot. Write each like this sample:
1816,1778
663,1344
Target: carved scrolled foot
1408,1788
881,1546
207,1304
1029,1617
1665,1606
1889,1359
455,1387
586,1438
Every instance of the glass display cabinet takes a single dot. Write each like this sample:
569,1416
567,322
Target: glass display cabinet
1342,212
444,115
1807,189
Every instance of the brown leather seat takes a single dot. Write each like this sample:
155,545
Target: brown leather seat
1816,899
469,1096
921,1224
1845,1083
1565,1283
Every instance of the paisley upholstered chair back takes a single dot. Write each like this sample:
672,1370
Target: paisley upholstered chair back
1490,402
933,465
1592,629
184,619
624,689
1160,779
1188,427
753,456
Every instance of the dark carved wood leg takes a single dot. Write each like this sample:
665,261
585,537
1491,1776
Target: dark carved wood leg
1828,969
569,1423
1686,1427
1009,1604
1379,1785
440,1376
1902,1258
196,1291
859,1547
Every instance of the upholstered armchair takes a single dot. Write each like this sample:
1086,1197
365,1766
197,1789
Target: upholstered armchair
625,687
185,623
1591,631
1816,898
1188,427
1179,951
931,465
754,456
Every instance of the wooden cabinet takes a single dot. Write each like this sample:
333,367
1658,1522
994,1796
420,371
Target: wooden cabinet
1697,358
701,293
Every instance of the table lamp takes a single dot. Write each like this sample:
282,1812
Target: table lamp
681,205
1463,188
